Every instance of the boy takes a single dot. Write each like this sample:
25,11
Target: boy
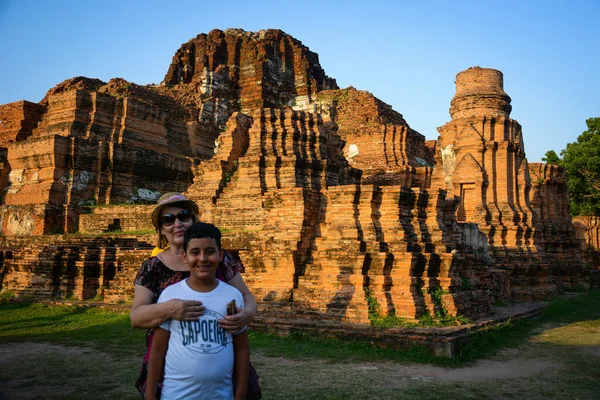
199,356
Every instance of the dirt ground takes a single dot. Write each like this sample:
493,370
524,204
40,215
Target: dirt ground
503,367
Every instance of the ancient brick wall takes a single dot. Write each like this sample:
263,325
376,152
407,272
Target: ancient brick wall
274,149
17,120
339,210
385,246
283,173
377,139
555,234
79,267
588,231
94,148
480,93
139,150
116,218
549,194
4,172
264,69
127,143
33,164
521,208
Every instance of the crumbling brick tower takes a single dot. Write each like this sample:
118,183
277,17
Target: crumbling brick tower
332,201
481,158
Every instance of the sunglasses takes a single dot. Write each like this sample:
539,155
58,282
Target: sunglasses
169,219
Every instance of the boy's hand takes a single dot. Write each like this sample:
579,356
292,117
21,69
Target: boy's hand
231,308
185,310
236,322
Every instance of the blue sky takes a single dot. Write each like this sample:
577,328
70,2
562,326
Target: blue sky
407,53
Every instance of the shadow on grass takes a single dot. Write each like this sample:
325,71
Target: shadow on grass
93,374
482,344
112,331
69,325
567,309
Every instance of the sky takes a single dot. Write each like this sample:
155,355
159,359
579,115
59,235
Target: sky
407,53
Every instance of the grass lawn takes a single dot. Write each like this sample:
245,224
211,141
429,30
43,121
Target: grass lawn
66,352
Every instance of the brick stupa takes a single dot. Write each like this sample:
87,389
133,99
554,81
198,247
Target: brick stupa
339,210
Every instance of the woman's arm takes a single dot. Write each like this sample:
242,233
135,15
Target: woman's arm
160,343
147,314
241,350
233,323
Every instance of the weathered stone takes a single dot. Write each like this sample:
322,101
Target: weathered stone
267,69
522,208
338,209
17,120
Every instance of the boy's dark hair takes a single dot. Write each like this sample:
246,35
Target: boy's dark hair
200,230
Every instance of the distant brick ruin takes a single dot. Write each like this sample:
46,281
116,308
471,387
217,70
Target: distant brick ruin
336,206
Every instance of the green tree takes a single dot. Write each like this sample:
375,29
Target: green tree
551,158
581,159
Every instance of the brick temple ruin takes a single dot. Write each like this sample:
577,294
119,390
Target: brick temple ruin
331,200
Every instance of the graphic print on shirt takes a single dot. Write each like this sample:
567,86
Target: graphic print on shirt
204,335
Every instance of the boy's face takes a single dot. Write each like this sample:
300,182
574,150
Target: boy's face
203,257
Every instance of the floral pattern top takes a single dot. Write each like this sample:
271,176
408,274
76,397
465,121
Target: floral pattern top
155,276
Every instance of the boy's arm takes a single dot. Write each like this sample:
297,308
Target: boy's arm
156,362
241,350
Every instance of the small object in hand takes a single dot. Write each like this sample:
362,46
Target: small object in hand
231,307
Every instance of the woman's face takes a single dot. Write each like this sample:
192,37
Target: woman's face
174,232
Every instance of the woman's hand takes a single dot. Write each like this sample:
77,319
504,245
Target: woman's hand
147,314
236,322
245,315
185,310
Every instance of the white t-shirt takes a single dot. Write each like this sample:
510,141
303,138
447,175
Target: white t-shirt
199,361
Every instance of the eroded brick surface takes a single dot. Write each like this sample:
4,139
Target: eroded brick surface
339,210
522,208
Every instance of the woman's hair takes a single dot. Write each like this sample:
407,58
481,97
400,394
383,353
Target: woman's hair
161,240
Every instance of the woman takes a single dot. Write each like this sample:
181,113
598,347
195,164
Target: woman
173,215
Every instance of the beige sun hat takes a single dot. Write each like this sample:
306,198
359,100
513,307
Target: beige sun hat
172,199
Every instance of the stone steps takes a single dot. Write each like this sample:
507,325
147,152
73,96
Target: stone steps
72,268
